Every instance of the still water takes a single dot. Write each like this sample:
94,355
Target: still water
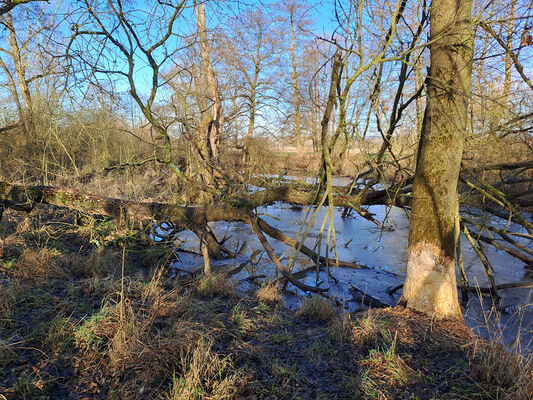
384,252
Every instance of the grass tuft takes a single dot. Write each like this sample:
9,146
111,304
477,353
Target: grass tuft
269,294
371,332
60,335
204,374
240,317
40,264
500,372
340,328
383,371
7,299
212,285
100,263
316,308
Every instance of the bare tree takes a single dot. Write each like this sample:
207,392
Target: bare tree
111,38
7,5
255,52
21,54
210,129
294,15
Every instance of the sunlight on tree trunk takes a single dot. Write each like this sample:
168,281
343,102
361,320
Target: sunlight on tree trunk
294,76
212,111
20,71
430,285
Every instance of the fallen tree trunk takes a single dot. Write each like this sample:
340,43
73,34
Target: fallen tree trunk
190,217
193,218
23,198
480,289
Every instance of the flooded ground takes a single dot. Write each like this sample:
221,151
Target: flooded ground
384,252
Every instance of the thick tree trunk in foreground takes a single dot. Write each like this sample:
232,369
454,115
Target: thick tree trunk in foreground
430,285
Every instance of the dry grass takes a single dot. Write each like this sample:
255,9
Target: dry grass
383,370
123,336
40,264
385,367
99,263
150,336
340,328
171,304
153,356
240,317
392,337
7,298
316,308
215,284
371,331
500,373
60,335
204,374
269,294
24,226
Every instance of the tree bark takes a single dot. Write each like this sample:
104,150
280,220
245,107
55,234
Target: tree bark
20,71
216,118
430,284
325,142
294,76
212,114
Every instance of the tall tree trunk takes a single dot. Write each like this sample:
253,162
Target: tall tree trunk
251,126
508,60
500,102
430,284
20,72
326,145
253,107
254,82
315,115
212,111
419,81
296,100
14,91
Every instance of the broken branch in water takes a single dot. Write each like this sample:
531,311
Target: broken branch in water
252,220
362,297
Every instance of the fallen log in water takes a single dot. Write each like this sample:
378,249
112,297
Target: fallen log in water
190,217
193,218
478,289
475,289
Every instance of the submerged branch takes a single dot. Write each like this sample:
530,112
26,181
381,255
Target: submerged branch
259,233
